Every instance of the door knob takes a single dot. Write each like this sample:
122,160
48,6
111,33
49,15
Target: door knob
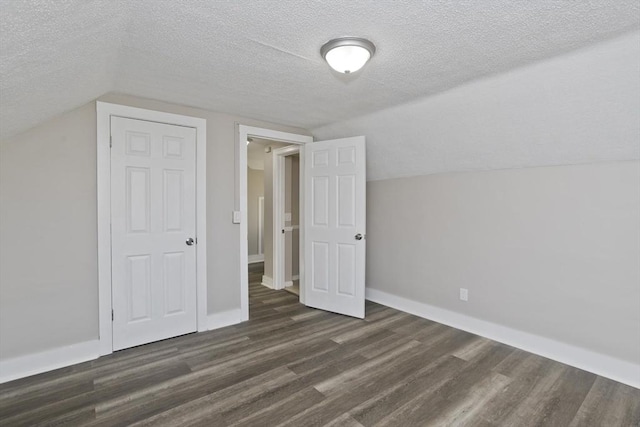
190,241
358,236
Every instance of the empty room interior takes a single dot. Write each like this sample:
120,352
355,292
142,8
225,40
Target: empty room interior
320,213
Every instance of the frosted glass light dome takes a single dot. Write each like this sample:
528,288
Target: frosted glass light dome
347,54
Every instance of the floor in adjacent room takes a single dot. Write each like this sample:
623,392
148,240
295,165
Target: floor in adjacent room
295,288
296,366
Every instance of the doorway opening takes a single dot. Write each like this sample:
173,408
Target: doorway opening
332,221
273,214
265,237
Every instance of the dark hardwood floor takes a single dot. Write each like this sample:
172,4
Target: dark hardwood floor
295,366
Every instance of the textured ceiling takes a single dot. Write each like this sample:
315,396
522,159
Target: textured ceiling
260,58
581,107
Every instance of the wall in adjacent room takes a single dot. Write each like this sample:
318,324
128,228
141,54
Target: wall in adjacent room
295,214
292,206
255,189
268,215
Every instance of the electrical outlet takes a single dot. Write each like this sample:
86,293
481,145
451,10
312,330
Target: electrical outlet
464,294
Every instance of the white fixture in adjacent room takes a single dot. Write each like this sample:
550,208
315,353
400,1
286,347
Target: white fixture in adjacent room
347,54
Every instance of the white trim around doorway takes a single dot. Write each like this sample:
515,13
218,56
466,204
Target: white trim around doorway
243,133
104,113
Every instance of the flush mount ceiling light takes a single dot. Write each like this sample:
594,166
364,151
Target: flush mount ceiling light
347,54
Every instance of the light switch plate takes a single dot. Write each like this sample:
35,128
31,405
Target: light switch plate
236,217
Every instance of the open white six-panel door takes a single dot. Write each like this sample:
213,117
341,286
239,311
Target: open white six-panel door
335,225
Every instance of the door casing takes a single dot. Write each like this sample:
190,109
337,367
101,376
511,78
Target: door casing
243,133
104,112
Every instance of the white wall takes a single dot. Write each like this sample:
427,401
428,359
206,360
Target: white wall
48,235
48,248
552,251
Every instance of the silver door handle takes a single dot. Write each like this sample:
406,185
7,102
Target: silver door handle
358,236
190,241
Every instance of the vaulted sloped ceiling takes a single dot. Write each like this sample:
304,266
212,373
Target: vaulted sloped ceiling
260,59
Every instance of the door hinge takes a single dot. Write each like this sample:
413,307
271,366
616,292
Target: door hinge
112,315
110,141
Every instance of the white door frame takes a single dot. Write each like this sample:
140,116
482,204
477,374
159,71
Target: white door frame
278,211
104,113
243,133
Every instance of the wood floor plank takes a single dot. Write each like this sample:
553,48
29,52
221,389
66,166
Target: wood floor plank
426,380
115,387
19,399
282,412
45,411
436,409
565,398
291,365
383,323
530,374
355,377
344,420
305,381
211,405
609,403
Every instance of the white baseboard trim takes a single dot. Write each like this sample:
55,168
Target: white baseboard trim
48,360
225,318
597,363
267,281
296,277
256,258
